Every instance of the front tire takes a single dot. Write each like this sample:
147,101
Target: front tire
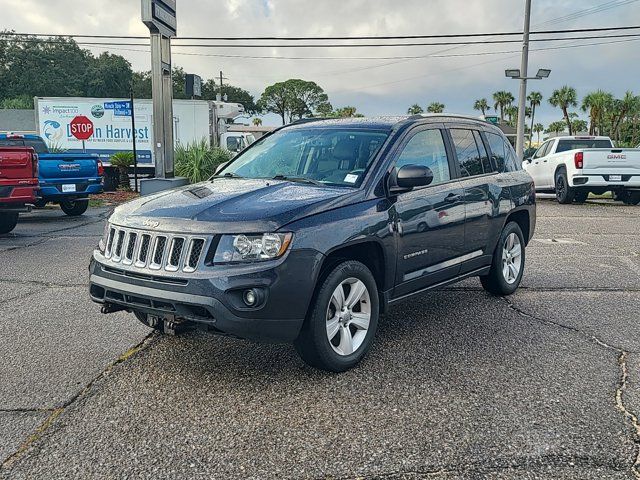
564,193
507,266
342,321
8,221
74,208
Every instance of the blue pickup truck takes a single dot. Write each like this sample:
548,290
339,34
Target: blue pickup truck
65,178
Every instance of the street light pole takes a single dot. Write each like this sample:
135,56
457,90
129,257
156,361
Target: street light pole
522,100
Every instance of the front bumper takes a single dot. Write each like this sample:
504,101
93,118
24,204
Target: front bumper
216,300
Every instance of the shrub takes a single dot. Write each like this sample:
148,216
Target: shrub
198,161
123,160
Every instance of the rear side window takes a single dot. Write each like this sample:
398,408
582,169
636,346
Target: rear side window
501,153
467,152
427,148
577,144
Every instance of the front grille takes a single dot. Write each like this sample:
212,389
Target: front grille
154,251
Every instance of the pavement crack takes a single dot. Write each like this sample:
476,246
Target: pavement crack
631,417
589,336
57,411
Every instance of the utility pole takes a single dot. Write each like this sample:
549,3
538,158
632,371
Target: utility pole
221,77
522,100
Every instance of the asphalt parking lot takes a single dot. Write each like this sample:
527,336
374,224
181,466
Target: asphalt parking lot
544,384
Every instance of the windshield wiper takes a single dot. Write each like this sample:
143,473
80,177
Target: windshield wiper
228,175
297,179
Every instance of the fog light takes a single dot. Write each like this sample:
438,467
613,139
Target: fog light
250,297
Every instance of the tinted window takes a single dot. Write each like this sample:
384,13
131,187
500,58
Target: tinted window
467,151
498,154
566,145
542,151
484,156
427,148
511,163
38,145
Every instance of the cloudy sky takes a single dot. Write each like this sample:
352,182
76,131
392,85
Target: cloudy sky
382,84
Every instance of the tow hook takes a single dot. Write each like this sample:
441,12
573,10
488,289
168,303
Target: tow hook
111,308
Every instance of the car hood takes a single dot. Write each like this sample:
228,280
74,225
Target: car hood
230,205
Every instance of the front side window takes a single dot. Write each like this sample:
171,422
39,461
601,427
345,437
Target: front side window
332,156
427,148
542,151
467,151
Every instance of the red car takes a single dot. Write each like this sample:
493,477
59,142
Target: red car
18,184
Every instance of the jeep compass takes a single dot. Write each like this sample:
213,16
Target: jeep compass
317,229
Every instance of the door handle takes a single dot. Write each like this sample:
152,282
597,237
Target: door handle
452,197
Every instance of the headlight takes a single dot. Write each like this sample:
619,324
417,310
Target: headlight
102,244
246,248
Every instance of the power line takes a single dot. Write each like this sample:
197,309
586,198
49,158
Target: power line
588,11
371,37
333,45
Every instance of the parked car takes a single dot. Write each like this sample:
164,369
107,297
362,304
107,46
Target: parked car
315,230
18,184
573,167
65,178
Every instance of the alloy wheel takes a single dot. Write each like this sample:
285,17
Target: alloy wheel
348,316
511,258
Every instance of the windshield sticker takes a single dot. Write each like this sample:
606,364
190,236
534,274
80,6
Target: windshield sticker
351,178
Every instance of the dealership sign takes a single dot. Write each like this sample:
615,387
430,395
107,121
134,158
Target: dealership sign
160,16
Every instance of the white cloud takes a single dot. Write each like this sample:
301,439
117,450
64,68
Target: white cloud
374,86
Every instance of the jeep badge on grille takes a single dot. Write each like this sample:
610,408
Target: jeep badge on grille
151,223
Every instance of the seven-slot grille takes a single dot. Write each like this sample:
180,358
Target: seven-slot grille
155,251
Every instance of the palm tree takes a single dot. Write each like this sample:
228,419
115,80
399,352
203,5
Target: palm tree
257,122
502,100
436,107
627,104
563,98
535,98
511,111
482,105
555,127
538,128
415,109
596,104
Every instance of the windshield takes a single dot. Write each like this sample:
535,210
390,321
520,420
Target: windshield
331,156
577,144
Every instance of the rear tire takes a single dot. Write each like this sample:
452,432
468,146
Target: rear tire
564,193
73,208
507,266
630,197
40,204
581,196
8,221
342,322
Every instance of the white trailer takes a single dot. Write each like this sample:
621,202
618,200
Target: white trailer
112,128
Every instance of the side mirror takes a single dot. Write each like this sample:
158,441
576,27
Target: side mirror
411,176
528,160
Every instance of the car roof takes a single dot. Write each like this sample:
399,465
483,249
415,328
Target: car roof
386,122
28,136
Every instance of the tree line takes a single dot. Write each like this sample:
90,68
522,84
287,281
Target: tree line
59,67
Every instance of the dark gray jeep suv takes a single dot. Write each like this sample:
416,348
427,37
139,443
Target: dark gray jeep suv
314,231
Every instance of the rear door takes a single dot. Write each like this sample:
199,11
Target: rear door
430,220
482,194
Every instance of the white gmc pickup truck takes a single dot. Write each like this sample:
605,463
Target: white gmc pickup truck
573,167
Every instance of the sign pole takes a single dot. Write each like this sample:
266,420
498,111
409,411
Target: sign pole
84,150
133,138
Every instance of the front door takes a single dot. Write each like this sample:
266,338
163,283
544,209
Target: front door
429,220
